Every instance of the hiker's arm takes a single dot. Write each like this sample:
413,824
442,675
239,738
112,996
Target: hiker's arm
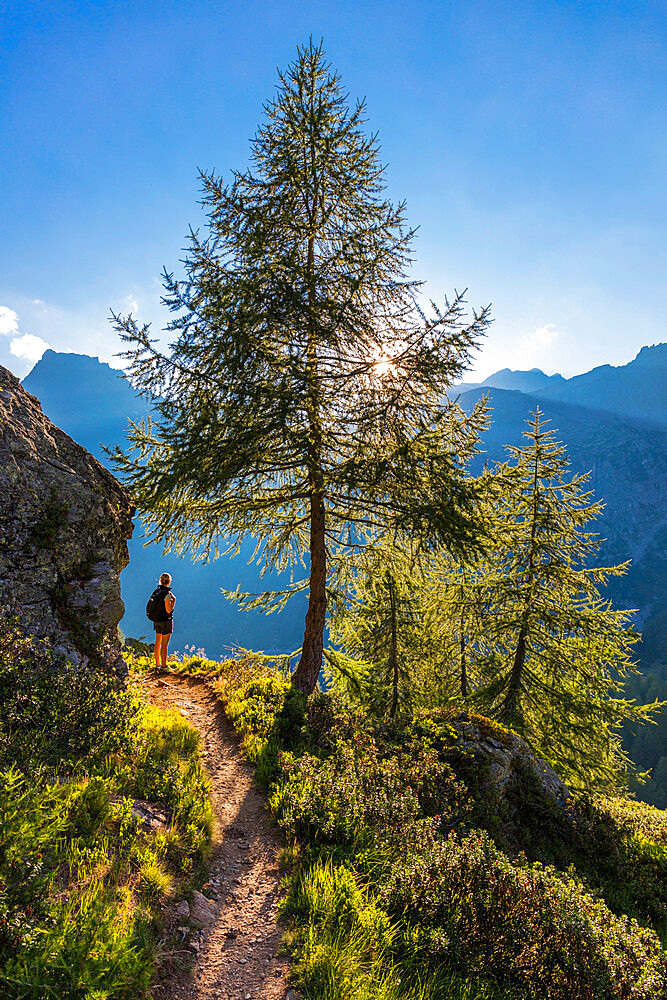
169,602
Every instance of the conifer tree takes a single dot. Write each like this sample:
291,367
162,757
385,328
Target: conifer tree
377,632
453,605
303,399
557,651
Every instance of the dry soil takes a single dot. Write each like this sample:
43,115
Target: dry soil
237,956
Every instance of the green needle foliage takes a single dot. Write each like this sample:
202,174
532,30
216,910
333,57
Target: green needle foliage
554,651
303,399
520,631
378,633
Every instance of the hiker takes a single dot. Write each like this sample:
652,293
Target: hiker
163,618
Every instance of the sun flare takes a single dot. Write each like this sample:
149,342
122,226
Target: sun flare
381,368
383,365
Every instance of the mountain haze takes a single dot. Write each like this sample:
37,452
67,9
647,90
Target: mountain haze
530,381
627,461
624,451
637,390
92,402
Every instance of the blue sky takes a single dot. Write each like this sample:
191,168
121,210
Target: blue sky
528,138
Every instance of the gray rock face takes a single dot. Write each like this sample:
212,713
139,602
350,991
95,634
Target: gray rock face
64,525
203,911
505,754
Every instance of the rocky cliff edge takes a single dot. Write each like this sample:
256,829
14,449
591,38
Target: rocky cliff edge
64,526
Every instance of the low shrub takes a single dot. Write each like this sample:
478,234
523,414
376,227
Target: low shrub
80,879
409,880
359,797
524,924
53,712
636,818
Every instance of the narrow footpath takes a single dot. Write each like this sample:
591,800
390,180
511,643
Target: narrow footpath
236,955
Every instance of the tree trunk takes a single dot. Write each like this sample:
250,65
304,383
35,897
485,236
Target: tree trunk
510,710
393,651
510,713
307,672
464,672
305,676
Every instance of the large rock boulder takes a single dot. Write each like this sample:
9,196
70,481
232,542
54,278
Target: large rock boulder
506,757
515,792
64,525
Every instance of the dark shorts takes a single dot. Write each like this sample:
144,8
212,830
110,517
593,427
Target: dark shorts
163,628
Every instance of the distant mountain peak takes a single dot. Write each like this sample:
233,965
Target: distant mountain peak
655,356
525,381
514,372
51,360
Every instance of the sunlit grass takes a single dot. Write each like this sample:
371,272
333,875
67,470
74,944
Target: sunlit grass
81,879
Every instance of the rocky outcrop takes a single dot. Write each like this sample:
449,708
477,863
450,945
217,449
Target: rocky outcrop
506,756
64,525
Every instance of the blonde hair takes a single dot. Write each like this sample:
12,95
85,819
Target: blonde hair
165,579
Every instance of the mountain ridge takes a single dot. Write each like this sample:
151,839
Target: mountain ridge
636,390
625,455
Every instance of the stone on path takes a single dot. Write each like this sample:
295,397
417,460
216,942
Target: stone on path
203,911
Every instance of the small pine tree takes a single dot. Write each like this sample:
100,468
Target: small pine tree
378,633
453,604
559,651
304,396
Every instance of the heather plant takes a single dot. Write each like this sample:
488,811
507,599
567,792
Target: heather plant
638,818
357,797
347,946
524,924
81,880
409,881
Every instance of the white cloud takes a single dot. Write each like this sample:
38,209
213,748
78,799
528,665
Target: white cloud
80,329
535,350
544,336
25,346
28,347
9,321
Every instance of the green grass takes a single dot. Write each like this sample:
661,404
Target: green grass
81,882
405,880
345,945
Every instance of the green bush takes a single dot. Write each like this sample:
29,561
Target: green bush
54,712
33,818
525,924
90,807
80,880
362,798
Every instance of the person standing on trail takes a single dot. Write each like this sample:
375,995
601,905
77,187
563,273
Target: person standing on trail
163,621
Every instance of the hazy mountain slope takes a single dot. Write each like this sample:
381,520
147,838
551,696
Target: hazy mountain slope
637,390
627,460
93,398
525,381
628,465
92,403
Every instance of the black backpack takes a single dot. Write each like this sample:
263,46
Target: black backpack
155,608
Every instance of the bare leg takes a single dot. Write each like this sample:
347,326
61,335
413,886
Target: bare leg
158,637
163,649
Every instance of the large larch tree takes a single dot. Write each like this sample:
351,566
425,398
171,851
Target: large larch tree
303,399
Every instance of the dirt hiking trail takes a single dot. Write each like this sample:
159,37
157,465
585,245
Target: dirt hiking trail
235,957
